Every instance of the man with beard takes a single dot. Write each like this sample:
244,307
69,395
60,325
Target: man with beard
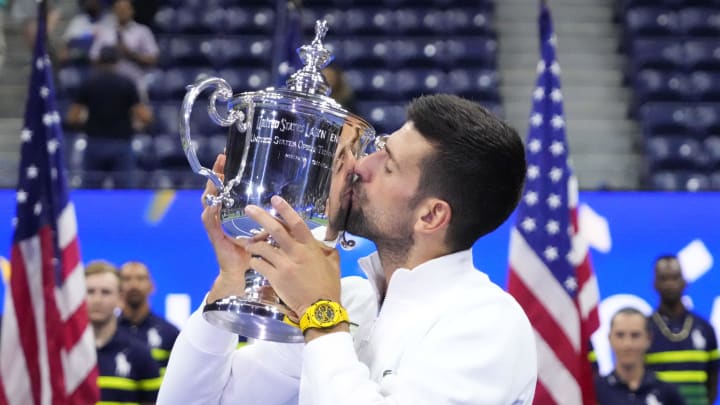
127,372
426,327
137,319
684,349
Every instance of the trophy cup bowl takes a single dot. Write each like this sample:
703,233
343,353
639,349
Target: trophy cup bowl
293,142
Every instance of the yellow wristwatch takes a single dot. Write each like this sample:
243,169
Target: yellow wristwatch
323,314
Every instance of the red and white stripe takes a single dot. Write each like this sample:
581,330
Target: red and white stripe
563,325
54,360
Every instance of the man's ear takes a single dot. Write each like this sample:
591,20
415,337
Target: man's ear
434,215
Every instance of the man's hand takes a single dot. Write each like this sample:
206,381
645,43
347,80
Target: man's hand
230,253
301,269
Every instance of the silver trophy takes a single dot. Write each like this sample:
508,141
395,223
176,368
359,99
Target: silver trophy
295,142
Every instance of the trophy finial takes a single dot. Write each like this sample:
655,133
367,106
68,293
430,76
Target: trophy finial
321,30
315,57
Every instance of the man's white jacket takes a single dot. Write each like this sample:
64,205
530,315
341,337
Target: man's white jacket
443,334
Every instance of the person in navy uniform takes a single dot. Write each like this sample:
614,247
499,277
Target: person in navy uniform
630,383
136,285
684,349
127,372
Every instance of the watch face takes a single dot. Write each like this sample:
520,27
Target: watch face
324,313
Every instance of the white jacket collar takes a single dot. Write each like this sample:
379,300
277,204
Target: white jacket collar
408,283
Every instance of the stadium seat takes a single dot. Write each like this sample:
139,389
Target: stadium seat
654,85
164,21
674,153
417,52
702,54
706,120
665,118
143,148
679,181
700,21
651,21
385,117
249,20
246,79
711,146
705,86
469,20
368,21
411,83
169,153
666,54
184,20
367,52
476,84
371,83
70,79
166,118
183,51
470,52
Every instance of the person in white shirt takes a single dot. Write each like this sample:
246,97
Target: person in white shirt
135,42
426,327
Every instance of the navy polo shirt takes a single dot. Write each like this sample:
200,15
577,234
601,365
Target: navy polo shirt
684,352
128,374
157,333
610,390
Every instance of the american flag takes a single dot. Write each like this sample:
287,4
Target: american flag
550,270
47,349
288,38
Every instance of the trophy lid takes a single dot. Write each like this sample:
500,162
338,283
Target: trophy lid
315,56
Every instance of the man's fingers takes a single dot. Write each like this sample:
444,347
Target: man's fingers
218,168
297,226
270,225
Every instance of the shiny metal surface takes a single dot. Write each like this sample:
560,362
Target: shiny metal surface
296,142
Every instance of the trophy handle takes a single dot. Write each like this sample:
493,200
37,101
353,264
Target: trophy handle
223,93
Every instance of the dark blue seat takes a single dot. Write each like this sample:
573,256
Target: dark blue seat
674,153
665,54
706,120
700,21
411,21
169,153
172,83
385,117
184,51
210,148
70,79
412,83
246,79
654,85
164,21
237,51
249,20
367,21
204,20
476,84
711,145
679,181
705,85
470,21
470,52
418,52
371,83
651,21
166,118
665,118
143,147
702,54
366,52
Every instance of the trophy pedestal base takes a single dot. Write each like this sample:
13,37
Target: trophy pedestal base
252,319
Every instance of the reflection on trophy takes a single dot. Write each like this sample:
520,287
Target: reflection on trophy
295,142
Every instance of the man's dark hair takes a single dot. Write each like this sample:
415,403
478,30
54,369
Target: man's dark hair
478,165
632,311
